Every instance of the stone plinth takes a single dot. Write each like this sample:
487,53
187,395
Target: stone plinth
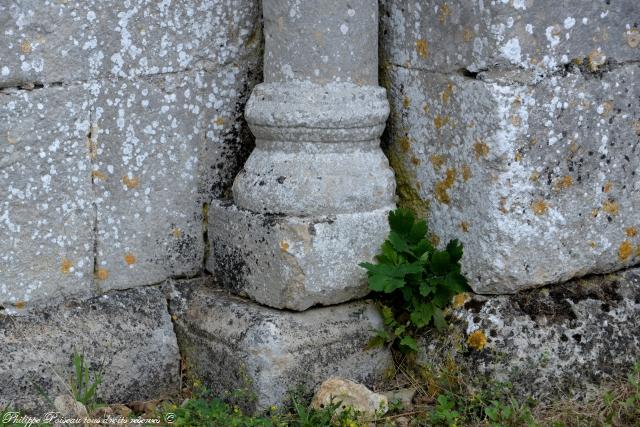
231,344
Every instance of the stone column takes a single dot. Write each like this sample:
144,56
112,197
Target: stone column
313,197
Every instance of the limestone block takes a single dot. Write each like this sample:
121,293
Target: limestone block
476,34
146,136
537,177
293,262
553,342
338,391
46,200
76,40
127,336
231,344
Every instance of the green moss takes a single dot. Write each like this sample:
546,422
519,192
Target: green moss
408,194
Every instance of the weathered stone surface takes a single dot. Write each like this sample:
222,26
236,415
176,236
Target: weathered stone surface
55,41
127,336
550,342
317,150
328,41
46,200
347,393
146,136
230,344
476,34
537,177
293,262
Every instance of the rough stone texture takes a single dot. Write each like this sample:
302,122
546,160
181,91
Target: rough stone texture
348,393
46,200
127,336
149,213
535,172
540,35
322,42
317,150
549,342
64,41
231,344
293,262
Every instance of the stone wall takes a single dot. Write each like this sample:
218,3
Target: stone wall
515,127
119,121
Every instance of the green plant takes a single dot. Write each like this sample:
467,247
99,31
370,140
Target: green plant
82,387
444,411
416,279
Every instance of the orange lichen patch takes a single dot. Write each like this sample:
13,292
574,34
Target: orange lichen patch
25,47
518,156
503,205
102,273
437,160
466,172
607,186
174,317
516,120
574,147
440,121
535,176
596,59
131,183
625,251
467,35
426,111
99,175
636,127
284,246
631,231
406,102
441,187
177,232
477,340
563,183
607,108
444,13
539,207
446,93
460,299
415,161
434,239
19,304
464,226
517,103
219,121
405,143
65,266
611,207
633,37
422,47
481,149
594,212
592,244
129,258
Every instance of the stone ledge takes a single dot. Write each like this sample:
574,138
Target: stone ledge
293,262
127,336
231,344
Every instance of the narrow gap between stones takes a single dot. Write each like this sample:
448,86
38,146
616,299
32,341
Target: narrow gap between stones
92,151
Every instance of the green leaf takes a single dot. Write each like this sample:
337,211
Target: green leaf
454,249
384,283
408,343
440,262
399,243
423,247
426,288
389,252
378,341
456,283
401,221
387,315
422,314
438,320
418,231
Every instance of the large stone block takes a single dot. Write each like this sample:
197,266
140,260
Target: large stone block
46,200
564,340
231,344
537,177
58,41
126,336
533,34
293,262
145,138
